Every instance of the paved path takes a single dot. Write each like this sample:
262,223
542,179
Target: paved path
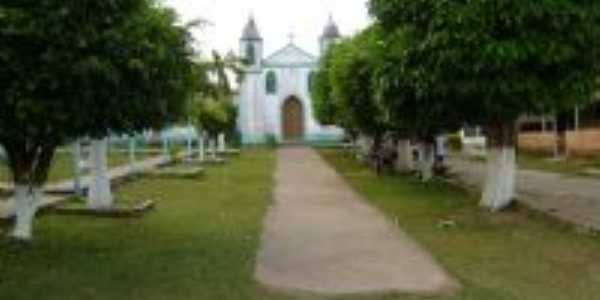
67,186
321,237
570,198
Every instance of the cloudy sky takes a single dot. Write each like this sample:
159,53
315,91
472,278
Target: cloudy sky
276,20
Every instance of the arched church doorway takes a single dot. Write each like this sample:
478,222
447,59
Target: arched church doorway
293,120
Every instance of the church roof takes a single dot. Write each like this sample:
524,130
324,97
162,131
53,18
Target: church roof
251,31
290,56
331,30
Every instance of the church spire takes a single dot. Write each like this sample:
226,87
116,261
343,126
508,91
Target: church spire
331,30
251,32
251,46
331,34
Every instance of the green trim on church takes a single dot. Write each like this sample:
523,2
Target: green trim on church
311,139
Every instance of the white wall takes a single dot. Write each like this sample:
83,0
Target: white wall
261,113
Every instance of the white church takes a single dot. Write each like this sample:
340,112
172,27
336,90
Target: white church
274,97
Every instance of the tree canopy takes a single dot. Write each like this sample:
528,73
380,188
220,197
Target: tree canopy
85,68
495,61
501,58
212,107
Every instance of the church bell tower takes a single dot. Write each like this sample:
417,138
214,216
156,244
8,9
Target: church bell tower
330,36
251,46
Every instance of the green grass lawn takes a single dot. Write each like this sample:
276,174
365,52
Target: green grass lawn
570,166
199,244
202,241
62,165
513,255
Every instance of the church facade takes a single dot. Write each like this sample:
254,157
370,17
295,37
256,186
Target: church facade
274,97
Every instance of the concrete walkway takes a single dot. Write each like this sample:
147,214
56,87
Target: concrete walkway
572,199
321,237
7,209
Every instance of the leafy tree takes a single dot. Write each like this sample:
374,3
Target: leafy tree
416,109
213,108
82,68
216,115
351,75
326,110
499,60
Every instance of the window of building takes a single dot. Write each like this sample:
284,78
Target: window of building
250,54
271,83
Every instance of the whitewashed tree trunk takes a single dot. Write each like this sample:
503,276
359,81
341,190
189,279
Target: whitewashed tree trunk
165,143
100,195
212,146
201,150
500,181
222,143
189,141
499,189
27,201
440,146
77,168
364,147
426,160
132,150
404,162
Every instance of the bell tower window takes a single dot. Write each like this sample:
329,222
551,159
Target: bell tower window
250,54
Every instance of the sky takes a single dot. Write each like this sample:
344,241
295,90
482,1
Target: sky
276,20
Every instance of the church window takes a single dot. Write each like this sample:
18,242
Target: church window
250,54
271,83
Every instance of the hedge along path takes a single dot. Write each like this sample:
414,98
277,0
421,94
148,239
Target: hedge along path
321,237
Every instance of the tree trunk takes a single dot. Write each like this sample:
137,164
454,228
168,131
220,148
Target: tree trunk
426,160
222,143
100,195
77,168
376,155
201,142
27,201
212,146
165,142
441,156
189,141
404,161
364,143
500,181
29,161
132,150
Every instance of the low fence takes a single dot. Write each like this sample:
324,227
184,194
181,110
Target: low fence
537,142
583,142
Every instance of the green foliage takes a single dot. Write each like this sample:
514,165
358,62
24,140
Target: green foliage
415,106
455,142
85,68
326,110
500,59
343,86
212,109
370,83
216,116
